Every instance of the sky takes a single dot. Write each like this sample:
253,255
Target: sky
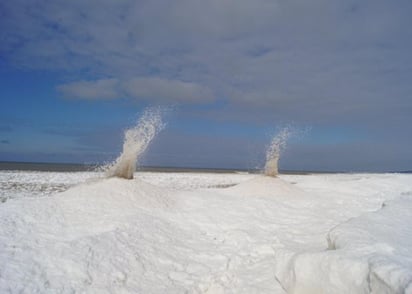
75,74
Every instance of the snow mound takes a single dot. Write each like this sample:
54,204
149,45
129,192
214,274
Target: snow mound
92,234
371,253
106,204
265,186
116,192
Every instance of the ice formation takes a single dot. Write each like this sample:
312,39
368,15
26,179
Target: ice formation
136,141
273,152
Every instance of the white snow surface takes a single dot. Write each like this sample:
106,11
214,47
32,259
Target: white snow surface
205,233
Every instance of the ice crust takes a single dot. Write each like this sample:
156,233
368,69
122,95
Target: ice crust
209,233
19,184
367,254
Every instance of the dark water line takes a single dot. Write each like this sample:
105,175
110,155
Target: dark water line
41,166
77,167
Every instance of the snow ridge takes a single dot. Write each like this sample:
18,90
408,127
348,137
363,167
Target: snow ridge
371,253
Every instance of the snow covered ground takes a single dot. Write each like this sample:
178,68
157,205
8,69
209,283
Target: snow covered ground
205,233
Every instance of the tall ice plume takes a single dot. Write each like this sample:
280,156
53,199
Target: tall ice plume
277,144
136,141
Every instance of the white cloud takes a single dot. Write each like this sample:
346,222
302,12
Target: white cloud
154,90
100,89
165,90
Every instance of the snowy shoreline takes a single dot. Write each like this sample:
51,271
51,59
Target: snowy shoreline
206,233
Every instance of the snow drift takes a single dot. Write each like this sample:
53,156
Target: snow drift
371,253
262,235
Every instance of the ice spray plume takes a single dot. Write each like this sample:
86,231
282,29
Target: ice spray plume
136,141
277,144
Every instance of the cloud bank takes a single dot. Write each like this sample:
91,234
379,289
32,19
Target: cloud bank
291,57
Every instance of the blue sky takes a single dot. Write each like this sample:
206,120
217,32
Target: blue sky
75,74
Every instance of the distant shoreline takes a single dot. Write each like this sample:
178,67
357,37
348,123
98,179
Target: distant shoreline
78,167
